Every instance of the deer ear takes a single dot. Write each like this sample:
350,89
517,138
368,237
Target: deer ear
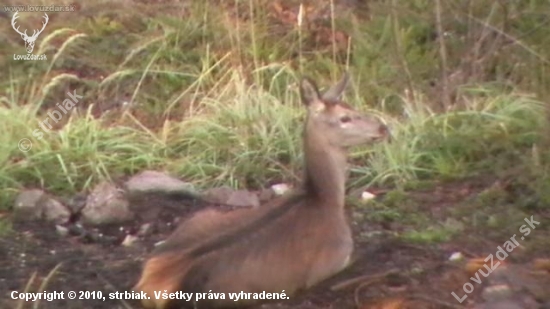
335,92
310,94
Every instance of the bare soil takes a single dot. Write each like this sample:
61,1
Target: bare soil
98,262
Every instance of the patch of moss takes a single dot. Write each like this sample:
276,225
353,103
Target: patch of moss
419,185
380,212
491,197
396,198
433,234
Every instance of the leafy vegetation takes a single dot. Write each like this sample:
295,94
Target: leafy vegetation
207,90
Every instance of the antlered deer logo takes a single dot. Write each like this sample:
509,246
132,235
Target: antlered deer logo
29,40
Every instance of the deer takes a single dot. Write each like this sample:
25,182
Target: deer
29,40
287,245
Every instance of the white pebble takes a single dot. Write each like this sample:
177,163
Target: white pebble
129,240
280,188
456,256
366,195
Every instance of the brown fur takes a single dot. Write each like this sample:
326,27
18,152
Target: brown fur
157,277
287,245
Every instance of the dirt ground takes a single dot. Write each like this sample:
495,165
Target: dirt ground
93,260
97,261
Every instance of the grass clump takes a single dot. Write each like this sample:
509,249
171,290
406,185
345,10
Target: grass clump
243,136
208,91
456,143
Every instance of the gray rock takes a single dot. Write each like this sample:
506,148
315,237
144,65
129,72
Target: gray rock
106,204
218,195
227,196
243,198
129,240
27,204
153,181
36,204
61,230
54,211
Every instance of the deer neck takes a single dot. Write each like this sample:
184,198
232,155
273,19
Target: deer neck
325,170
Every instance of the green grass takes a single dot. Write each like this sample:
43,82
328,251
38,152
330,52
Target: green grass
211,95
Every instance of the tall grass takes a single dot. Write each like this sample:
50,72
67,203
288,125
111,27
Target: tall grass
211,96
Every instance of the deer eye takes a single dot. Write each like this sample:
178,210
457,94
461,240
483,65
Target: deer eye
345,119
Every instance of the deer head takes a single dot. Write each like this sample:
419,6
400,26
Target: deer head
29,40
336,122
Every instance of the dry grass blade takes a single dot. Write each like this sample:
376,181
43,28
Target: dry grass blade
21,303
45,282
353,281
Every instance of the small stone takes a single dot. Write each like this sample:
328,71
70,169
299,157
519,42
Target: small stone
243,198
61,230
456,256
54,211
218,195
367,196
144,229
129,240
280,188
36,204
153,181
158,243
27,204
106,205
417,270
227,196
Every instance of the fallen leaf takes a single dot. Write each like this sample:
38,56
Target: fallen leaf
473,265
542,264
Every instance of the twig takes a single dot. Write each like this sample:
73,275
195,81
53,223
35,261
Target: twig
45,283
514,40
362,285
333,30
347,283
442,56
400,54
21,303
